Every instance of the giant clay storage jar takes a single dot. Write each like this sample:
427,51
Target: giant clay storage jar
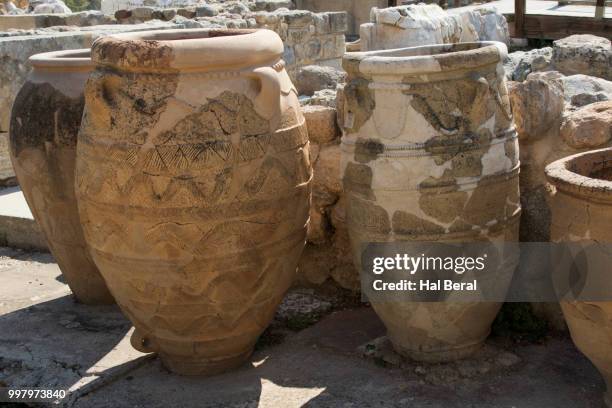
581,206
44,126
193,182
429,153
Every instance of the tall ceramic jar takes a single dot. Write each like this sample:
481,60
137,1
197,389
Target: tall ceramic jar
193,181
429,153
581,206
44,126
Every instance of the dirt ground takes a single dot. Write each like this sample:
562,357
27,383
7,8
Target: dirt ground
343,360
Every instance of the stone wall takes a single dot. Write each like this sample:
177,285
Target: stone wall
309,38
30,21
358,10
327,256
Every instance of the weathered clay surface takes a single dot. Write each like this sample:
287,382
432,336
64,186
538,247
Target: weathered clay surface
430,153
193,180
581,204
43,135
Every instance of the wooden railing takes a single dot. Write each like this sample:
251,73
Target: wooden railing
548,26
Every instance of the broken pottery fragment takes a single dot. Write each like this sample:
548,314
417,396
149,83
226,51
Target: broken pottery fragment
430,153
45,122
581,205
193,180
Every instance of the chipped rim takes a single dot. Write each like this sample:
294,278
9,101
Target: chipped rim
425,59
565,177
197,49
68,60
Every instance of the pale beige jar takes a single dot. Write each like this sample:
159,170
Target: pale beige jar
430,153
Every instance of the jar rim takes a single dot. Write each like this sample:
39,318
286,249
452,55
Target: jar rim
172,51
424,59
66,60
574,174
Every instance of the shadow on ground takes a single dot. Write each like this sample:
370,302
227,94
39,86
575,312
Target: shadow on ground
53,343
320,367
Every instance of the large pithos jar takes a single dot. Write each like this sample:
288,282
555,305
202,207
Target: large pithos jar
581,206
430,153
193,184
44,126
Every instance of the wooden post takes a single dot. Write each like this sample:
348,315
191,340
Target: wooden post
600,8
519,18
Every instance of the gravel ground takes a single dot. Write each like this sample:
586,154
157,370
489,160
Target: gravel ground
314,355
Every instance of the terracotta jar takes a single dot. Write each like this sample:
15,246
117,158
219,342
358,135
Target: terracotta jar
581,206
429,153
193,182
44,125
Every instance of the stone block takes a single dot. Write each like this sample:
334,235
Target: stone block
338,22
168,14
296,18
298,35
312,78
334,46
327,185
321,123
271,5
142,13
321,23
588,127
583,54
17,226
537,105
580,90
269,19
123,14
206,10
519,64
7,174
414,25
289,55
186,12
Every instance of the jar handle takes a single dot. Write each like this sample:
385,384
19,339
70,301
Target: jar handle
142,342
268,100
96,98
